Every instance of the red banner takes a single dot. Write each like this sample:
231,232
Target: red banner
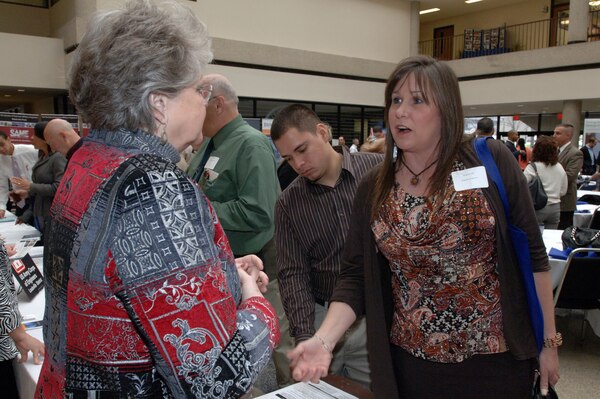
18,134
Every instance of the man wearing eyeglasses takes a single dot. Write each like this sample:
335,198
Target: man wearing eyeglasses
235,166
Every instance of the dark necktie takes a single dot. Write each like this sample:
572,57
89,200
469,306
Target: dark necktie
209,148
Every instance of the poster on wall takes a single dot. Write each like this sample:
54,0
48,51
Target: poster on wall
19,127
266,126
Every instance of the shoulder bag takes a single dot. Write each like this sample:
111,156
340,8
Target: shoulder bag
536,189
580,237
519,241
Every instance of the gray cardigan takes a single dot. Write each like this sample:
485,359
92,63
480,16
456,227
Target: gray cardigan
45,175
365,280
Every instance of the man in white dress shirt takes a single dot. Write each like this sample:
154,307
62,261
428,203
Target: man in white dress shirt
16,160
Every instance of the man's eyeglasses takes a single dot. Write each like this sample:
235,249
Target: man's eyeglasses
205,91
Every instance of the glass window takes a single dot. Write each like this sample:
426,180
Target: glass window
373,117
525,123
549,122
246,107
350,122
471,123
329,113
268,108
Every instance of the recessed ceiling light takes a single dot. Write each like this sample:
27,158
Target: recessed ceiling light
520,105
472,1
7,95
429,10
20,90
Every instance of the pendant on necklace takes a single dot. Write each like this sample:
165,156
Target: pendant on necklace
414,181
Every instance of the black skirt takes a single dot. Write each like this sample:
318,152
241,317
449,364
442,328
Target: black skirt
496,376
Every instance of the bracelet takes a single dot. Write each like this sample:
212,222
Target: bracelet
324,344
553,342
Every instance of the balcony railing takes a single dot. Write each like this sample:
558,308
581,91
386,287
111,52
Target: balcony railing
521,37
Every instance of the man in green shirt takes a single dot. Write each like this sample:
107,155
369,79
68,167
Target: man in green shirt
235,166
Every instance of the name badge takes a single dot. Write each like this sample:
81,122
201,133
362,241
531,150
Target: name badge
211,163
470,179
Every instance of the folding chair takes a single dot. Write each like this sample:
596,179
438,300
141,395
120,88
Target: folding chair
580,283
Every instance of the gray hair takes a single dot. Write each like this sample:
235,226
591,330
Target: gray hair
130,53
222,87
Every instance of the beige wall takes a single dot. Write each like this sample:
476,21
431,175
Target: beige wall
527,11
34,62
338,27
297,87
580,85
24,20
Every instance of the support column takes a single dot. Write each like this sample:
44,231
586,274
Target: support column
572,114
578,21
415,27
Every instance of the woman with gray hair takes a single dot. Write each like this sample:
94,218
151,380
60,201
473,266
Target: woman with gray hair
143,296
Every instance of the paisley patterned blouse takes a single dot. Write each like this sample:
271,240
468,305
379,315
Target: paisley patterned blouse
444,279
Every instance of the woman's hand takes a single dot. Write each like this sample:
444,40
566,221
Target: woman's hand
26,343
252,265
249,285
549,371
10,249
310,360
20,183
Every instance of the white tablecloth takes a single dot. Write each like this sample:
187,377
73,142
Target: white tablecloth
583,215
581,193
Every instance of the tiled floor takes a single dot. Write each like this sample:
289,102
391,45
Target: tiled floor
579,360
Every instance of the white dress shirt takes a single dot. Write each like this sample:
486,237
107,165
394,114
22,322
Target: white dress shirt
25,156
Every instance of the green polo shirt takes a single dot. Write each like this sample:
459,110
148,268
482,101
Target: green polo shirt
240,180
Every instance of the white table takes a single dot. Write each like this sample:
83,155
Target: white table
581,193
12,232
584,219
552,239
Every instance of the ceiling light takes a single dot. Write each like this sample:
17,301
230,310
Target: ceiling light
429,10
21,90
472,1
7,95
594,3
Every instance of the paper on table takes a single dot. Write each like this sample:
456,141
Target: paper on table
23,247
303,390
